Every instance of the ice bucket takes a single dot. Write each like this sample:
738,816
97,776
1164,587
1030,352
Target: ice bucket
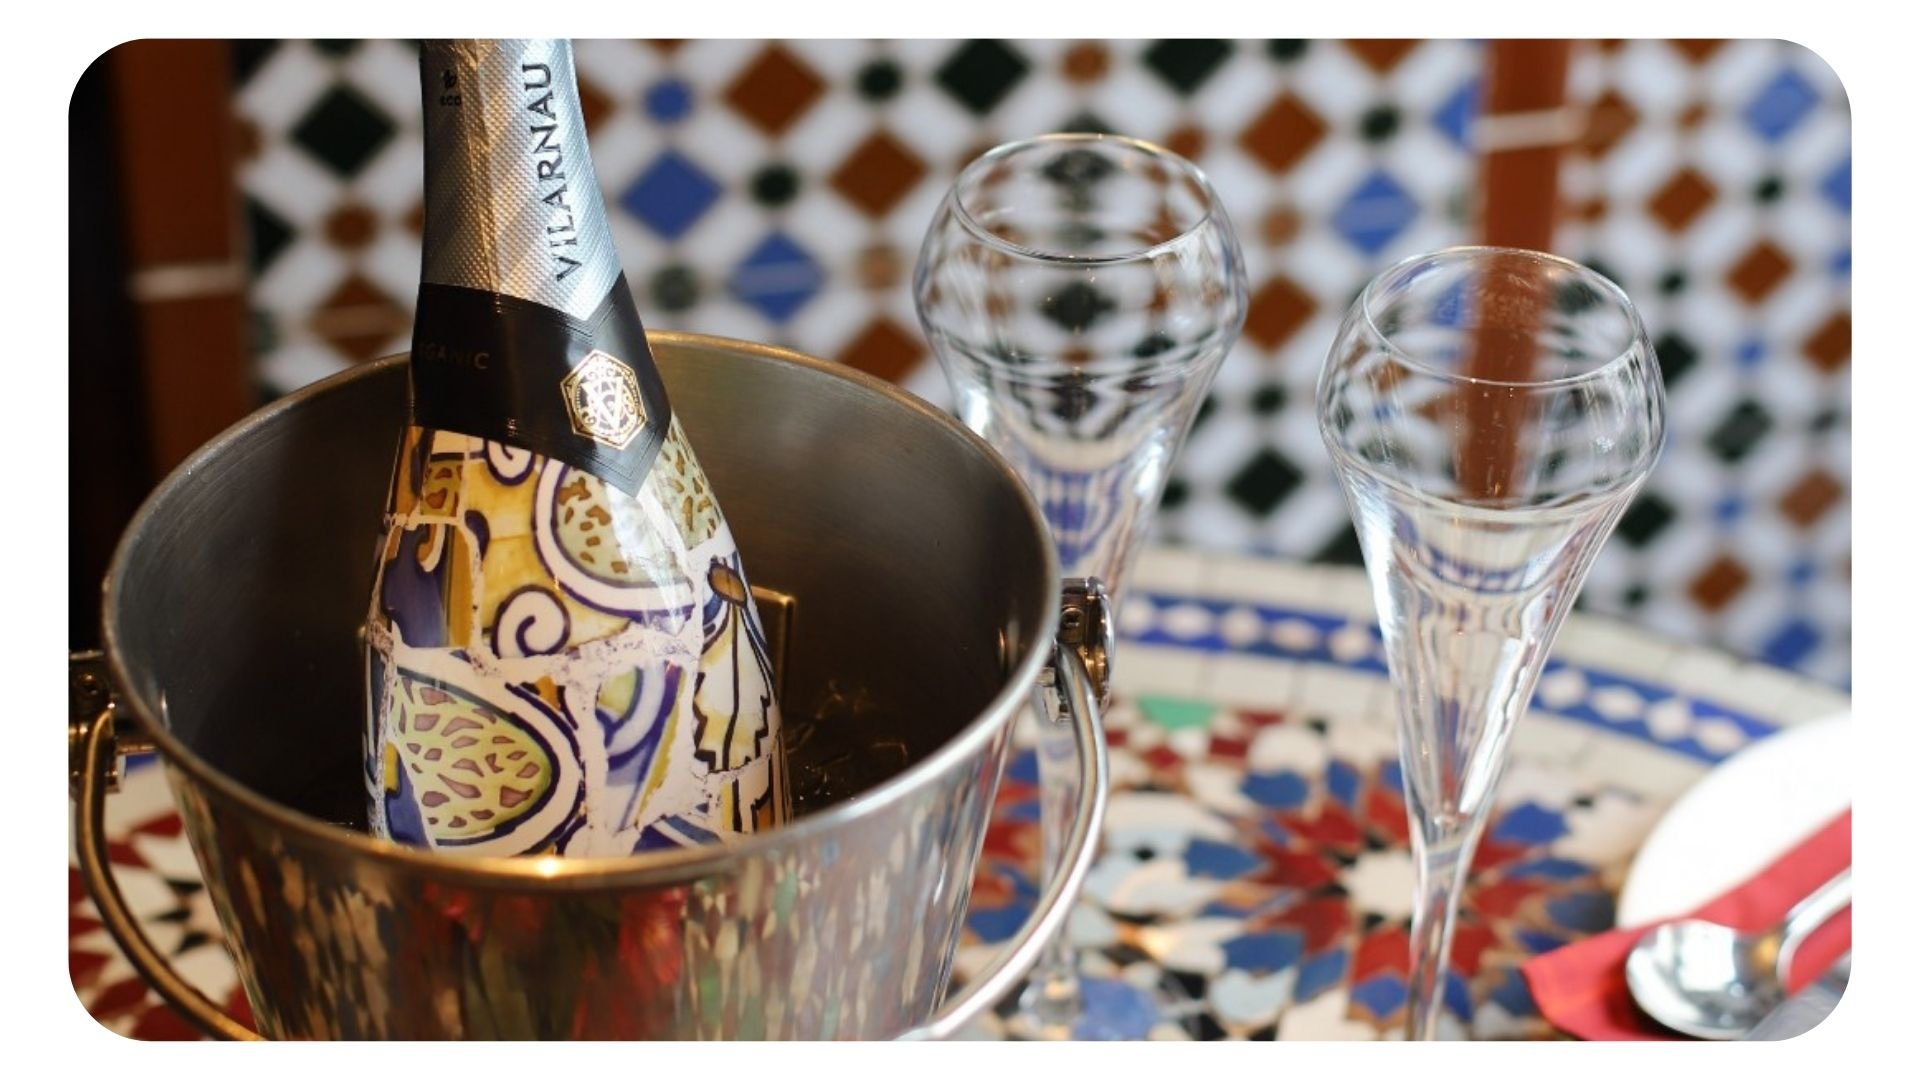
915,603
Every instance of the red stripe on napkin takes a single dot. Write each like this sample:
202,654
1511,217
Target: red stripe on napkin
1582,988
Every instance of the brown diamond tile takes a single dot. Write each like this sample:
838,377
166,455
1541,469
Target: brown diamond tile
878,173
595,104
1086,62
665,45
1189,141
1279,225
1609,119
1809,500
416,219
1381,54
1276,311
1831,346
1717,585
359,319
1283,133
1696,50
1681,199
350,226
1693,116
880,267
883,350
1759,271
1592,210
774,90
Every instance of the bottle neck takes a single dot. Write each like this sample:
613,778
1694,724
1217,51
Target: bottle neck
512,203
525,332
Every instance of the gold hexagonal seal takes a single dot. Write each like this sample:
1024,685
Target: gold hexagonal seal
603,400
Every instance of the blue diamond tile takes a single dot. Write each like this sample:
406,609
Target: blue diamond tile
1343,783
669,101
1530,823
998,924
1212,859
670,195
1751,352
1550,869
1025,889
1455,116
1729,509
1838,185
1791,644
1514,996
1381,995
1538,941
777,278
1802,572
1264,953
1841,264
1458,1001
1025,767
1319,973
1451,309
1391,777
1586,912
1781,105
1281,790
1376,212
1115,1011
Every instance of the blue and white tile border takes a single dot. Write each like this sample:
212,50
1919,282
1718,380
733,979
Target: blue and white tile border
1296,624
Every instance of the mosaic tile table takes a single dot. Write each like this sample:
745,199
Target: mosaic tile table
1255,880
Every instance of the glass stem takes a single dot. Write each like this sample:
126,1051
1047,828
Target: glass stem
1441,865
1052,997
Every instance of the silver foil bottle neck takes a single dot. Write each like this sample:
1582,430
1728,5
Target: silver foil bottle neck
512,203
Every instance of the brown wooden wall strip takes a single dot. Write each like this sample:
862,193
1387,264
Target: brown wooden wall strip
1520,185
1526,86
185,240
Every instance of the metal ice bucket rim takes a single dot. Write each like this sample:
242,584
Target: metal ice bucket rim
1079,638
564,874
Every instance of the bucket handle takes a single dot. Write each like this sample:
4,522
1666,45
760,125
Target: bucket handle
1081,701
93,764
94,753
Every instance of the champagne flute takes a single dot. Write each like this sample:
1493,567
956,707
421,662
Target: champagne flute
1491,413
1080,292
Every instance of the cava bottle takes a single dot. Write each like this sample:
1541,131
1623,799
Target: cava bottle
563,655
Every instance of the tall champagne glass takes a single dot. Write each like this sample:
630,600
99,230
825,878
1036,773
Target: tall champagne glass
1080,292
1490,413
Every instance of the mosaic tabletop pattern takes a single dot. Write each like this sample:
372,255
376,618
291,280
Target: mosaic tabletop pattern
778,191
1254,880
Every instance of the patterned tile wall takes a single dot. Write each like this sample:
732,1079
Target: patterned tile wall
1714,183
777,191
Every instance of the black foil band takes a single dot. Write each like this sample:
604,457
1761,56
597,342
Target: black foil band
495,366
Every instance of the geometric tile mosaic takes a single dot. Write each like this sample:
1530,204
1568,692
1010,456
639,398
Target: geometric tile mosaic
1255,880
1714,185
778,191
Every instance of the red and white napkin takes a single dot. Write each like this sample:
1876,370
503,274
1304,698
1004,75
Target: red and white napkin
1582,988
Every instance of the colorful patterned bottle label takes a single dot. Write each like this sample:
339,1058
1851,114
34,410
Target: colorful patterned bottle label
556,666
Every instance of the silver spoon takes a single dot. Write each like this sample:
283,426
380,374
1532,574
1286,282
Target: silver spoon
1712,982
